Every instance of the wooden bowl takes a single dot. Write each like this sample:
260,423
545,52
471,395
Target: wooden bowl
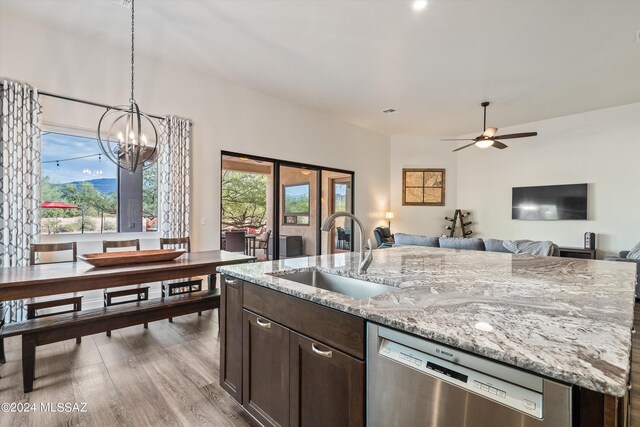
111,259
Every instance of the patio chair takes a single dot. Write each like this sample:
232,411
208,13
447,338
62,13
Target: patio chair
262,242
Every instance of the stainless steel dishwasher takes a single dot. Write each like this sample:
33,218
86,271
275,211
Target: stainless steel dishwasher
416,382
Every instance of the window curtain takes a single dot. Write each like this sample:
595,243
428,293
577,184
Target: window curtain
174,177
20,161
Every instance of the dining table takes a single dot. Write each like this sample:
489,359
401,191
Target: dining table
60,278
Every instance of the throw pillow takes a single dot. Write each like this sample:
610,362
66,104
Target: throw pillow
635,252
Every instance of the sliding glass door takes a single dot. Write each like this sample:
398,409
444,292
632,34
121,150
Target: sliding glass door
246,205
280,206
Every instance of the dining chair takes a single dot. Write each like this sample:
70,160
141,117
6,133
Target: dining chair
112,296
235,241
180,286
113,244
36,306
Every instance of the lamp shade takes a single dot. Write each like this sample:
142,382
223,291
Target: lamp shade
388,215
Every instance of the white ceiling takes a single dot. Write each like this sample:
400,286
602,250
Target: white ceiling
534,59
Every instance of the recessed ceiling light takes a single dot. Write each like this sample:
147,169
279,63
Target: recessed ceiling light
388,111
418,5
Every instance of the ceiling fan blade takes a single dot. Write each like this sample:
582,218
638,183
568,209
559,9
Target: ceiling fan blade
516,135
464,146
499,145
489,132
467,139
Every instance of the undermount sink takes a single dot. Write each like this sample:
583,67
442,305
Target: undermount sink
358,289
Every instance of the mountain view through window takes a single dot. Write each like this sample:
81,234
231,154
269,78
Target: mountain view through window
80,187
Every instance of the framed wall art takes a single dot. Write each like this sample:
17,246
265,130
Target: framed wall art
423,187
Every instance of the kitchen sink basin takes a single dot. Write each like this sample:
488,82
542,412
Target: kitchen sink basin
358,289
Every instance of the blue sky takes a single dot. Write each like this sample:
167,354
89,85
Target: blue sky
297,191
57,146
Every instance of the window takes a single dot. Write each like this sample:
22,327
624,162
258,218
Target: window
84,192
296,201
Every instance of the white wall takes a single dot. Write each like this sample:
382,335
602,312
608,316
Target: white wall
601,148
417,152
226,117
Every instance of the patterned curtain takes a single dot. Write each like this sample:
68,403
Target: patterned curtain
174,176
20,160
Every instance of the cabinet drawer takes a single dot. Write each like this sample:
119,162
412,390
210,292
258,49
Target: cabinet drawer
335,328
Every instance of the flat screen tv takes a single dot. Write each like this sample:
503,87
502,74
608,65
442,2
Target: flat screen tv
549,202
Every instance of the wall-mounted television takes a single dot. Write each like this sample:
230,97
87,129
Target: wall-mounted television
550,202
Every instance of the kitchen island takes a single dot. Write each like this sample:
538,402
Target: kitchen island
567,320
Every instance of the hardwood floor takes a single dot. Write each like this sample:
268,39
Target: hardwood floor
166,375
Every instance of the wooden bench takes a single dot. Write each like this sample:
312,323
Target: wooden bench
47,330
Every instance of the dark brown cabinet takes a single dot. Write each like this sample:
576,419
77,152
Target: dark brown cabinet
231,336
290,361
327,386
265,388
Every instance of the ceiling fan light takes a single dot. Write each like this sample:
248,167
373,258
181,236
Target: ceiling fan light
484,143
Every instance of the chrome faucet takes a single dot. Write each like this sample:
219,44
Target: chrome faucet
365,261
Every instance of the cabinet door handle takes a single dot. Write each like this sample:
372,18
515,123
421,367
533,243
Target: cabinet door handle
317,351
231,281
263,324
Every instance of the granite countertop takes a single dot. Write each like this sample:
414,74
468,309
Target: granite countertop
567,319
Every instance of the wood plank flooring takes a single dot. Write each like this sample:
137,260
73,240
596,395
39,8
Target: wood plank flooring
166,375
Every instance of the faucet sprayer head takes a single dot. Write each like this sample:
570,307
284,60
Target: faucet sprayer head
326,225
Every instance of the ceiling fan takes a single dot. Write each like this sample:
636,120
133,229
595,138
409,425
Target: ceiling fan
489,137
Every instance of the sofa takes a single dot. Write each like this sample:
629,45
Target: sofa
403,239
383,236
622,257
470,243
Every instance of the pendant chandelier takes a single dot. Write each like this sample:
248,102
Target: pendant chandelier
126,135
